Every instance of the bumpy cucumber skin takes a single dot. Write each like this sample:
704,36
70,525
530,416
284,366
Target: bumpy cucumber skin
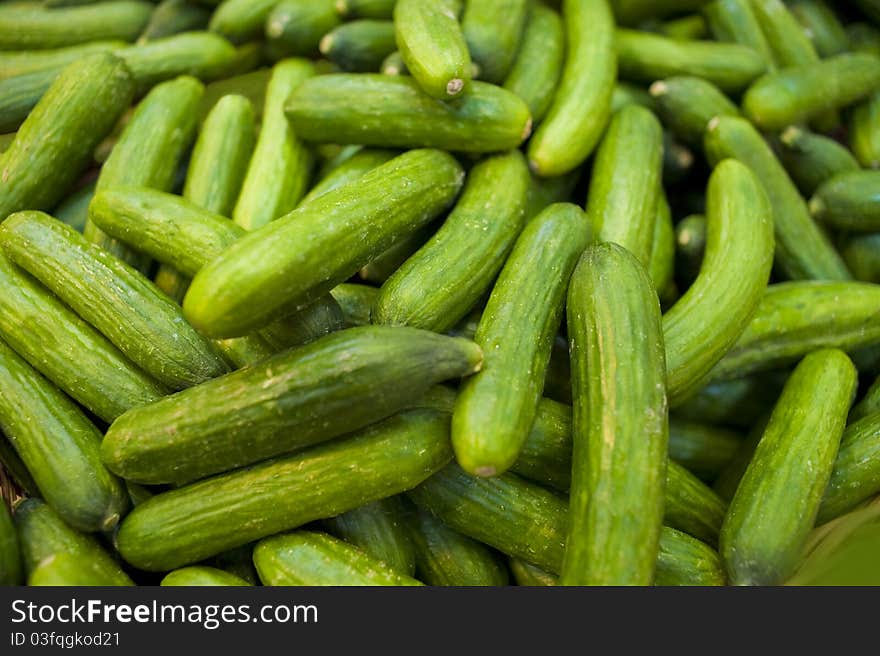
295,28
620,427
360,45
287,261
735,21
199,575
685,561
496,407
493,30
82,362
803,251
811,159
688,104
864,132
206,518
617,212
442,281
241,20
581,105
351,169
57,139
691,506
10,554
849,201
775,505
856,474
312,558
392,111
23,62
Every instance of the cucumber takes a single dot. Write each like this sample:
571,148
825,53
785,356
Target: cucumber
702,448
581,105
360,45
526,574
543,192
631,94
63,569
432,47
393,65
174,17
313,559
83,103
250,85
811,159
10,553
241,21
74,210
632,12
685,561
688,104
382,110
692,26
775,505
645,57
356,302
27,27
380,530
735,21
728,479
374,8
287,261
493,30
200,575
295,27
447,558
244,351
81,361
796,318
803,251
22,62
366,159
20,94
206,518
864,132
690,246
862,255
717,308
863,37
617,212
620,427
441,283
281,165
789,43
799,94
849,201
545,456
42,534
59,446
822,26
319,318
691,506
496,407
284,403
384,266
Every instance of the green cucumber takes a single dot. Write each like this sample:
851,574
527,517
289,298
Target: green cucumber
581,105
775,505
385,265
19,95
685,561
206,518
364,160
74,210
10,553
34,27
393,65
717,308
620,427
692,26
360,45
631,94
493,30
688,104
799,94
66,570
42,534
735,21
200,575
632,12
617,212
22,62
83,104
526,574
849,201
159,443
356,301
703,449
281,165
545,456
691,506
728,479
864,132
295,27
496,407
174,17
59,446
383,110
432,47
862,255
372,8
244,351
250,281
803,251
856,475
543,192
441,283
319,318
447,558
241,21
250,85
645,57
6,141
789,43
81,361
690,246
313,559
811,159
863,37
822,26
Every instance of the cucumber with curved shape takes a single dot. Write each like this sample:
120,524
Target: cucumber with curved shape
10,554
789,43
493,30
864,132
735,21
849,201
359,45
775,505
683,560
581,105
295,27
688,104
200,575
856,474
811,159
241,21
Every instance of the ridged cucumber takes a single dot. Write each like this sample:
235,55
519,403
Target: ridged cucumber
200,575
688,104
493,30
856,473
849,201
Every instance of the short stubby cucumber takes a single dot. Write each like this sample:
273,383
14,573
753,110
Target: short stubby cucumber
241,20
493,30
360,45
812,159
688,104
849,201
295,28
200,575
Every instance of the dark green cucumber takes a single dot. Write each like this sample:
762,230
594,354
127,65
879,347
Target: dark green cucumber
10,554
811,159
132,313
717,308
546,454
360,45
690,246
366,159
447,558
34,27
543,192
314,559
383,267
632,12
864,132
60,447
20,94
315,385
281,165
535,72
244,351
735,21
822,26
380,529
383,110
617,213
287,261
442,282
319,318
856,474
200,575
206,518
685,561
678,160
802,93
803,251
74,210
496,407
22,62
796,318
43,534
620,429
81,361
581,105
83,104
645,57
526,574
295,27
241,21
849,201
862,255
374,8
173,17
691,506
863,37
775,505
250,85
701,448
688,104
356,301
432,47
735,403
728,478
493,30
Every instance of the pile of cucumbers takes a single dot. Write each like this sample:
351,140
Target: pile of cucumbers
436,292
